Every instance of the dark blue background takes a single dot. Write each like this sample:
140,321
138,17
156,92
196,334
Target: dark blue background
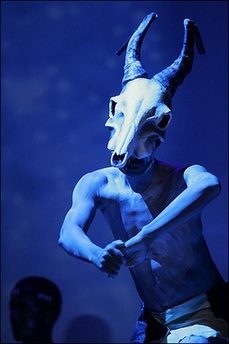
59,70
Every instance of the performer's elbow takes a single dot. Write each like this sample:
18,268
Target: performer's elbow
213,186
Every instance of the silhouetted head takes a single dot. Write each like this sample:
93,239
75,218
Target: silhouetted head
35,305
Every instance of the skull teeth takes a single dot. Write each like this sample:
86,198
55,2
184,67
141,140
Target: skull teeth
118,160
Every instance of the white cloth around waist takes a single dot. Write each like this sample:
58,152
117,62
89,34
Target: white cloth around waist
193,305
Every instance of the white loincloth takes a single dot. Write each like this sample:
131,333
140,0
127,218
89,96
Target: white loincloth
193,318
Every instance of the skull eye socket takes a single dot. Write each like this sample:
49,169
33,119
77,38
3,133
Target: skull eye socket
164,121
112,106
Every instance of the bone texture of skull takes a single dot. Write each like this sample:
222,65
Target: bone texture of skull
141,113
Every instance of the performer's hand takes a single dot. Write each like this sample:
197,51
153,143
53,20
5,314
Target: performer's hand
111,258
135,252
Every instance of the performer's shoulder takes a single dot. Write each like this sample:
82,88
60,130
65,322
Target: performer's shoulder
170,166
101,175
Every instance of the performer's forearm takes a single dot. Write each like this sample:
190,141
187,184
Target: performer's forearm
188,204
77,244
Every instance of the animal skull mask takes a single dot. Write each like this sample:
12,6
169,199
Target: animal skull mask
141,113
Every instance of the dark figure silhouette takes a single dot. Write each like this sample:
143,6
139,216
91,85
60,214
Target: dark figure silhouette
35,305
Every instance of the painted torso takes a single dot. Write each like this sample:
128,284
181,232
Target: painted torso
178,265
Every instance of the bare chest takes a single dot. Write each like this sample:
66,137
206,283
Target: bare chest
135,213
126,212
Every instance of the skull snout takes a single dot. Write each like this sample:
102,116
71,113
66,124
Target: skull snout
118,160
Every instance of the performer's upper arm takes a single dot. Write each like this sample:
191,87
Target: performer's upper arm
84,201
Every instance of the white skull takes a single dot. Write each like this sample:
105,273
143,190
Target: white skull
141,113
137,118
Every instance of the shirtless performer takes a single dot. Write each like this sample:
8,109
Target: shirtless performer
153,208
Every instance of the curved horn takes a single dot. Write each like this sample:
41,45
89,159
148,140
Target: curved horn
173,76
133,68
